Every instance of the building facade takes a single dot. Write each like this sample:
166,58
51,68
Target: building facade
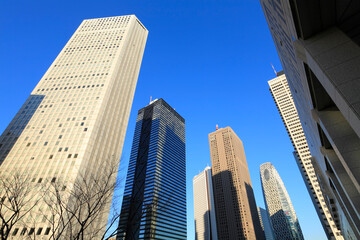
83,99
154,202
318,45
265,224
204,206
235,207
282,215
280,91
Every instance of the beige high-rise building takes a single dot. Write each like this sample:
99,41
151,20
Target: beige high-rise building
280,91
204,206
235,207
74,122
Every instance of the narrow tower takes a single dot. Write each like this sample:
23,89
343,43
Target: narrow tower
278,204
204,207
154,203
265,224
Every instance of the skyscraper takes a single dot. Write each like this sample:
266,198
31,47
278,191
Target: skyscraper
319,49
235,207
75,119
154,202
280,91
278,204
204,207
265,224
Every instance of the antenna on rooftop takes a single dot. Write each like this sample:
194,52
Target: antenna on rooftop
217,127
150,99
273,69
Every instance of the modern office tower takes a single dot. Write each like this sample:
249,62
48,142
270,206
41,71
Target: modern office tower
235,207
154,202
265,224
204,206
280,91
278,204
318,45
74,122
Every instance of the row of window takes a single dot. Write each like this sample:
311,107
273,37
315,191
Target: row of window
25,231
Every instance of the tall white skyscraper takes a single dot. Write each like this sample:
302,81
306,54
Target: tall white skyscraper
278,204
204,206
280,91
74,122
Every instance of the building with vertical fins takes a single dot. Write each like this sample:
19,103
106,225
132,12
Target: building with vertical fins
280,91
154,202
83,99
265,224
235,207
318,43
204,206
282,215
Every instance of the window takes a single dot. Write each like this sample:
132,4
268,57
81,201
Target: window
47,231
53,179
32,230
40,180
51,156
39,231
23,231
15,231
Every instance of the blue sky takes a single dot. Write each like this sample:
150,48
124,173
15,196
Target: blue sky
208,59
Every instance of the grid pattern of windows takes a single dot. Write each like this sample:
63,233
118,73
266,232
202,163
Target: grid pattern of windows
235,207
82,100
280,91
154,203
278,204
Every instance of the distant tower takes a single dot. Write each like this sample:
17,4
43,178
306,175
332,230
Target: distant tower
235,207
154,203
204,206
278,204
265,224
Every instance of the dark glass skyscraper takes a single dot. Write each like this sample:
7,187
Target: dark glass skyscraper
154,204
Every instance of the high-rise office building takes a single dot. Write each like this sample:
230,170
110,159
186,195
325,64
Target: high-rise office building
265,224
319,49
77,115
280,91
282,215
154,202
204,206
235,207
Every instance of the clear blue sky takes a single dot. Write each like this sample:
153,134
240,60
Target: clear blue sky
208,59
